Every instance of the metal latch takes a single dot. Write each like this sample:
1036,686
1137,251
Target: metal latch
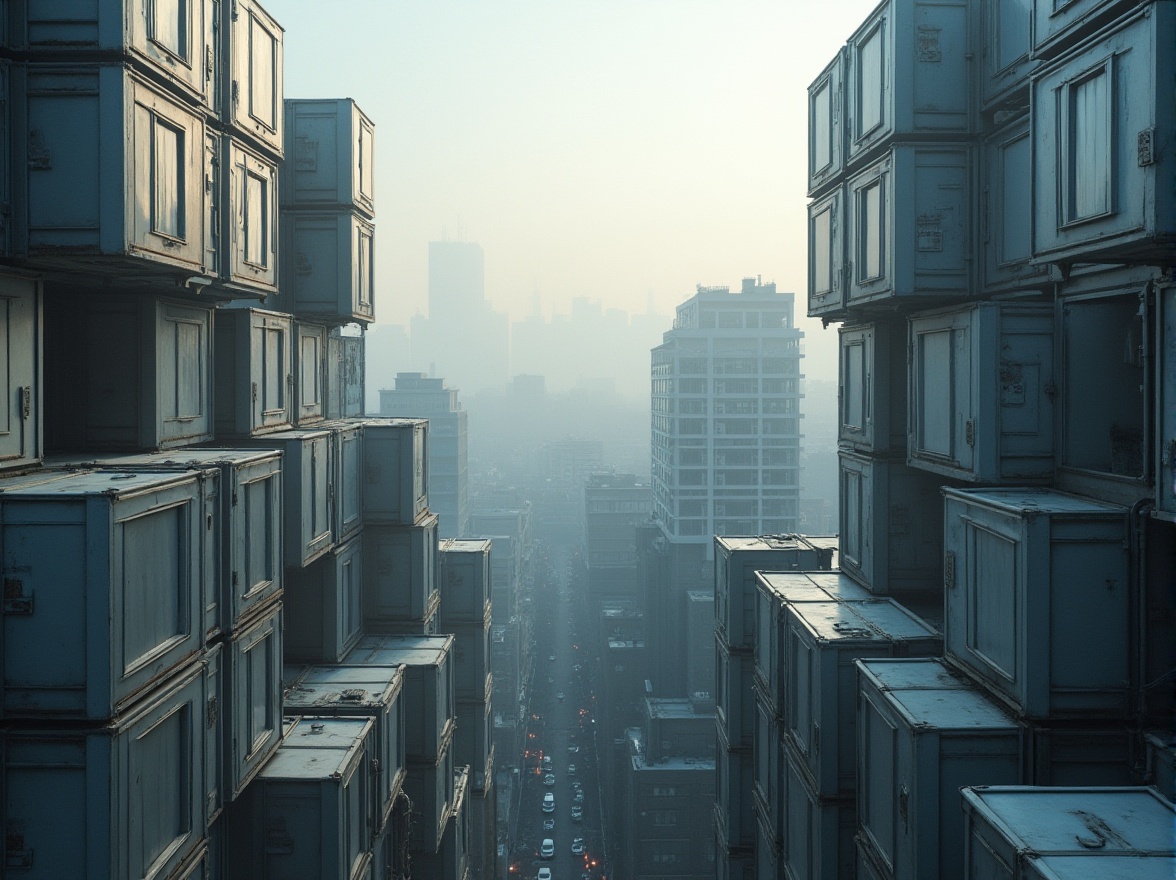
816,737
254,392
26,401
904,802
15,600
213,711
949,569
970,432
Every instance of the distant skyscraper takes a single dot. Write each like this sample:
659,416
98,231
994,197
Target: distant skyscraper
726,416
457,273
419,396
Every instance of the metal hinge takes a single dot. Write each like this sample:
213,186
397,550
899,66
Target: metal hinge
254,392
970,432
26,402
904,803
816,737
949,569
212,712
1145,147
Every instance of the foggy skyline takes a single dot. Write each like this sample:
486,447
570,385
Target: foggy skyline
619,150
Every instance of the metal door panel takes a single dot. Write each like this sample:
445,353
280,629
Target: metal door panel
20,335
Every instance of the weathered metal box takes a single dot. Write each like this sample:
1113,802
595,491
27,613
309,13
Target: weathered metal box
1006,208
821,642
400,573
331,161
362,692
737,559
826,125
324,610
310,372
251,212
923,732
473,742
327,268
253,699
395,475
171,41
1007,827
907,73
308,813
980,401
471,662
345,375
1032,579
826,254
734,809
1082,754
909,227
1086,867
1160,763
124,799
113,171
103,592
428,686
871,391
347,446
429,786
1059,24
308,481
734,699
155,387
252,91
1003,37
775,591
245,539
891,526
1103,180
464,580
818,839
22,413
254,372
1165,464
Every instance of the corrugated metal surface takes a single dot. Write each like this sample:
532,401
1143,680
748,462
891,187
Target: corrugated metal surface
737,559
93,189
818,840
155,388
21,413
308,814
826,149
395,476
428,686
332,144
907,73
347,451
254,372
1006,826
734,811
129,547
826,254
361,691
980,407
871,389
909,226
124,799
464,580
253,702
252,93
1101,116
821,642
324,605
400,573
891,524
252,217
310,372
1054,565
922,734
774,592
1006,204
172,45
327,266
307,477
429,787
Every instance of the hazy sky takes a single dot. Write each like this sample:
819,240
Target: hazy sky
623,150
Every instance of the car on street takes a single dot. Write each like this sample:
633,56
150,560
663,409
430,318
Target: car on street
544,874
551,658
549,823
549,779
579,796
573,750
549,803
578,846
577,812
571,769
560,696
547,848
